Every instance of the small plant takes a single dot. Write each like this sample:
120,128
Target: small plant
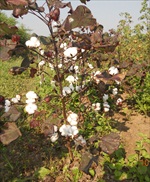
135,167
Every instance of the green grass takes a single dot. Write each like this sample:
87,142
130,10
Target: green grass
11,85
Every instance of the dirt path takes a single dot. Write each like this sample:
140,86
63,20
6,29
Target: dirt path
130,128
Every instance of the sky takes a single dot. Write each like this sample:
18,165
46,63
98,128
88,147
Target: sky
106,13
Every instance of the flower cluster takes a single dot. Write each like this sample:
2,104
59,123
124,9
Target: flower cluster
31,107
96,106
71,79
16,99
33,42
106,106
71,52
70,130
115,91
113,70
72,118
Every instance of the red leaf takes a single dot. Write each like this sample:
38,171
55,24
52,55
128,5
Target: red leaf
34,123
33,71
17,3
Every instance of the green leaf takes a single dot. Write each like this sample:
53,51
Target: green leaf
92,172
147,179
142,169
117,173
42,172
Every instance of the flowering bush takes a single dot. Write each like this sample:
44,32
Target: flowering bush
82,77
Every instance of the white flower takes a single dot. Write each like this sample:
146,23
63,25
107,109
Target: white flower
55,128
105,97
79,87
55,26
66,90
71,79
7,102
31,108
71,87
54,137
63,45
106,109
51,66
72,118
113,71
68,130
71,52
41,63
42,52
28,43
115,91
94,76
7,105
28,101
90,66
33,42
60,66
97,73
31,95
74,68
14,100
117,82
119,101
96,106
106,106
71,20
7,108
80,141
18,97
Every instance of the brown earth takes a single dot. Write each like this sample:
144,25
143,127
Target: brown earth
130,127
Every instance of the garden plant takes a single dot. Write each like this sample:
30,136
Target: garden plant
60,94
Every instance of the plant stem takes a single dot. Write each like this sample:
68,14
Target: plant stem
57,70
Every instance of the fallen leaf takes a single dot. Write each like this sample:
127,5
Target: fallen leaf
87,160
47,129
110,143
13,114
9,134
